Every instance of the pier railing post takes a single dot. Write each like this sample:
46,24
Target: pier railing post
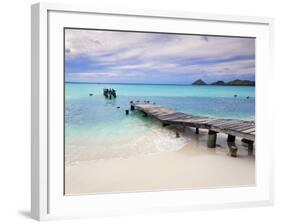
212,139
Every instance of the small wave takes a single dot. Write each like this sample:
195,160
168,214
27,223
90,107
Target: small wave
155,140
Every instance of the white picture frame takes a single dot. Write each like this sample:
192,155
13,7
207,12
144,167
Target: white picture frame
47,198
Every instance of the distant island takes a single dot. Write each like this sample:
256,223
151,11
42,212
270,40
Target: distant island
199,82
236,82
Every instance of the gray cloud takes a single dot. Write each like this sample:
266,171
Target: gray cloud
138,53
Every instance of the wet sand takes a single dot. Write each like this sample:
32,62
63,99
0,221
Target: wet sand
193,166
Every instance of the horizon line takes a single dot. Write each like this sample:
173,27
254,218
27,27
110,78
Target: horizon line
132,83
129,83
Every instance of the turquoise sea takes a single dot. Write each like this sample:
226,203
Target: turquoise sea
97,128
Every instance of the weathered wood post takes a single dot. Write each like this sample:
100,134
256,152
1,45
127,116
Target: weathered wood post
114,93
197,131
250,148
230,138
233,150
212,139
250,145
127,112
244,140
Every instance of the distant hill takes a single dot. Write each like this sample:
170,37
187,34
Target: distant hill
199,82
236,82
218,83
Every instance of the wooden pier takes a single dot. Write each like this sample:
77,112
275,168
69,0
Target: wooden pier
232,127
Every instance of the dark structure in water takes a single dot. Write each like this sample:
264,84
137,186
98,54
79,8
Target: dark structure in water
109,93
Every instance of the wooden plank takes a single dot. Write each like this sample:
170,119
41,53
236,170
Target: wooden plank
241,127
229,123
202,121
160,113
206,120
217,123
245,128
188,116
250,130
235,127
192,123
195,118
171,116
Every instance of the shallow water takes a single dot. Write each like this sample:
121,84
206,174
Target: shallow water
96,129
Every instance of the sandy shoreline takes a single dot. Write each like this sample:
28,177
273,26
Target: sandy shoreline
194,166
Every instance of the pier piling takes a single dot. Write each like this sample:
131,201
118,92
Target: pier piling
233,150
197,131
230,138
109,93
212,139
250,147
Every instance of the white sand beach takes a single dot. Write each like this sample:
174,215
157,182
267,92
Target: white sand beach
193,166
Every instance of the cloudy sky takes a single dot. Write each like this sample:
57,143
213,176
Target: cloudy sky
131,57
